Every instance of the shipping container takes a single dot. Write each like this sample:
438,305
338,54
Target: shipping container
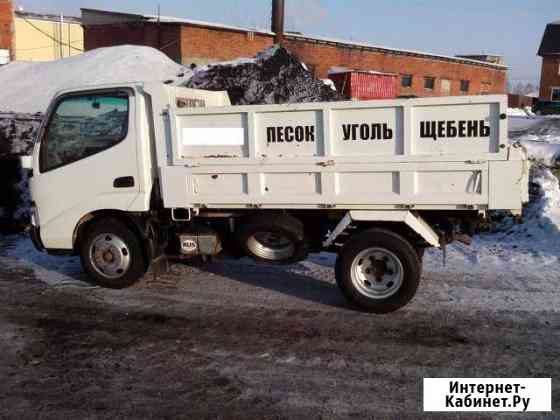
365,85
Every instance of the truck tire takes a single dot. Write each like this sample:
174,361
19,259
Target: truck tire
378,271
273,238
112,254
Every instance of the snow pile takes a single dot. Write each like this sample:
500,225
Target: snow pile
542,152
274,77
521,112
28,87
516,112
542,142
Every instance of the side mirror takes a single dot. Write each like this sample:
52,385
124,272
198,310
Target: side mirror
26,162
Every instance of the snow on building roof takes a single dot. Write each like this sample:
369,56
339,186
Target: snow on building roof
169,19
99,17
44,16
365,45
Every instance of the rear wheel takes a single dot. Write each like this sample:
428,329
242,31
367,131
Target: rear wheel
378,271
111,254
273,238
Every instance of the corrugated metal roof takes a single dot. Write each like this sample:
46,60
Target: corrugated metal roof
550,44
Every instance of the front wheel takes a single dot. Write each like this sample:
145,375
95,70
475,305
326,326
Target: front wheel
112,255
378,271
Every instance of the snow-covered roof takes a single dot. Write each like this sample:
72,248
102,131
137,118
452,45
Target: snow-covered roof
48,17
343,70
169,19
366,45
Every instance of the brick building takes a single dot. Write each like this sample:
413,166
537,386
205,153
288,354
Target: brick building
550,72
6,25
194,42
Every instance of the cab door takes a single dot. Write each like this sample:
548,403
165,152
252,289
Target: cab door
86,160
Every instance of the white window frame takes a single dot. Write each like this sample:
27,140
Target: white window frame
552,89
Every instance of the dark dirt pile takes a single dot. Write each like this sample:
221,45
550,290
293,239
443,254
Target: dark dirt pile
275,76
17,134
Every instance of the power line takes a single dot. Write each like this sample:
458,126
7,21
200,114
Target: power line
40,48
60,42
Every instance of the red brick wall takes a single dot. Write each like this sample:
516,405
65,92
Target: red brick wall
193,44
206,44
550,77
165,37
6,20
324,56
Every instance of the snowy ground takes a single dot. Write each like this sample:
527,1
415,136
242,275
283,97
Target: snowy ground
237,340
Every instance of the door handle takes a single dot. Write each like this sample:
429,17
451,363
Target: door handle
124,182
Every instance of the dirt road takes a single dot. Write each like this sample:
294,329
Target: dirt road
239,341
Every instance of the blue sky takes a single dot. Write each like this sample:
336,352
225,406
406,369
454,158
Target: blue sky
512,28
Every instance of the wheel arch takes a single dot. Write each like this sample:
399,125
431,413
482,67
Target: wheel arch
406,223
136,222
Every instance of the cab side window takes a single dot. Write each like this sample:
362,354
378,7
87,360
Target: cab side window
82,126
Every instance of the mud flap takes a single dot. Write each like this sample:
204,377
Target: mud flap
159,266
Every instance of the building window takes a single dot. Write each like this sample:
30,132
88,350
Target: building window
465,85
445,87
406,81
485,88
555,96
429,83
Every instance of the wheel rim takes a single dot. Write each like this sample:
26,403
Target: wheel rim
109,256
377,273
271,246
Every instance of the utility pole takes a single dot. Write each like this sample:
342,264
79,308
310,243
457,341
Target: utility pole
60,42
159,26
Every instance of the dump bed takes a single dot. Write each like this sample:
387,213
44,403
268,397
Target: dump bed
438,153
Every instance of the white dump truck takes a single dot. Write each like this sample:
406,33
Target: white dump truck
124,175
